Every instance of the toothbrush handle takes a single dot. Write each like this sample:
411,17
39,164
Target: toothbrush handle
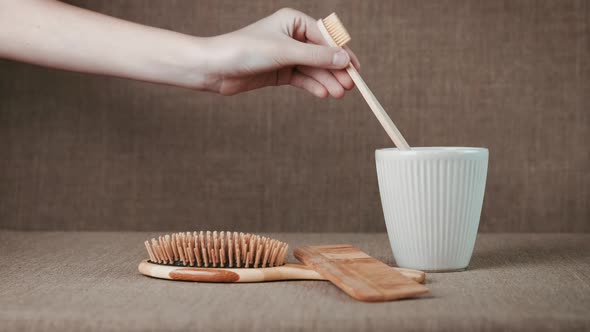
378,110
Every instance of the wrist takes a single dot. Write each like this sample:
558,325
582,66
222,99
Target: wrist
189,64
212,60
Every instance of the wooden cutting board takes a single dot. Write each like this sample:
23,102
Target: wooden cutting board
359,275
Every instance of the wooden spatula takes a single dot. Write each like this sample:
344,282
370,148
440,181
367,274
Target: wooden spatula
358,274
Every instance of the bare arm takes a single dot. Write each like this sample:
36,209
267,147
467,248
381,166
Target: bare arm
276,50
54,34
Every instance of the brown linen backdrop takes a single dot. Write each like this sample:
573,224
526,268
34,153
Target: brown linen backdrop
92,153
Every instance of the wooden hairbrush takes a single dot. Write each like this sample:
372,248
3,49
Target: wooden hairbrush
336,35
228,257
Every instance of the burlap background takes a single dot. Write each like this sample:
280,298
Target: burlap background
93,153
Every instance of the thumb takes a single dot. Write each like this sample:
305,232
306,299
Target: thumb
317,56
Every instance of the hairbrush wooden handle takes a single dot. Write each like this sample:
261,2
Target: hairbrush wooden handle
284,272
205,274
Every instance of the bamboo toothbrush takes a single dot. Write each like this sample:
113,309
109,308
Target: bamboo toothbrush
228,257
336,35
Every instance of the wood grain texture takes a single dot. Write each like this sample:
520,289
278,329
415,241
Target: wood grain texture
285,272
204,275
358,274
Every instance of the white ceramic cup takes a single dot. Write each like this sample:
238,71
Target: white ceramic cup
432,199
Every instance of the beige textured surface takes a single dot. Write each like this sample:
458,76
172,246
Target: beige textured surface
89,281
95,153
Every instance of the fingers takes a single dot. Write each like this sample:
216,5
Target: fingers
312,32
326,78
315,56
304,28
353,58
301,26
307,46
343,78
307,83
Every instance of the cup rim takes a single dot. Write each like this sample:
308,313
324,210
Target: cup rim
423,151
436,148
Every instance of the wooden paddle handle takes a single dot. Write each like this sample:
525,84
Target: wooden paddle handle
284,272
384,119
359,275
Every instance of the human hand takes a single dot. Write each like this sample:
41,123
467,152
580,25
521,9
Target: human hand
284,48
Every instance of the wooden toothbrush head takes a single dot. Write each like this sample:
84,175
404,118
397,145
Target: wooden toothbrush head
336,30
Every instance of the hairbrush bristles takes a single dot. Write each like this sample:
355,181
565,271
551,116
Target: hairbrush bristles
217,249
336,30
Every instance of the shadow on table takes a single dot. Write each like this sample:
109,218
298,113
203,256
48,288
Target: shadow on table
528,250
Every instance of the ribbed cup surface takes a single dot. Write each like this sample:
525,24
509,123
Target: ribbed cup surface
432,199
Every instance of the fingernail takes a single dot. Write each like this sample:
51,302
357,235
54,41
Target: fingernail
340,58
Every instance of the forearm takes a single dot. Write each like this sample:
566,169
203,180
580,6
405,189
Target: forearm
54,34
283,48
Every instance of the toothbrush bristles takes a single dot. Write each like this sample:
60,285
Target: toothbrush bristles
213,249
336,30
